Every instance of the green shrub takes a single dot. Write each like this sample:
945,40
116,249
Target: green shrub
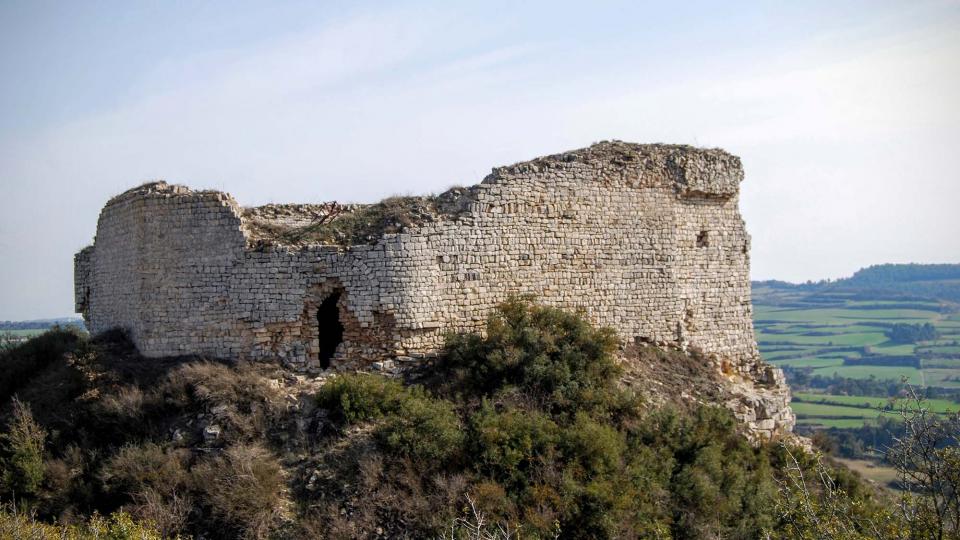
415,425
597,448
423,429
720,484
23,442
118,526
553,356
512,446
360,397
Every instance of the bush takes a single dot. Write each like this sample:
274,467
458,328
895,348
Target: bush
118,526
512,446
156,479
243,487
167,513
414,425
146,466
597,448
22,452
556,357
360,397
813,502
720,484
423,429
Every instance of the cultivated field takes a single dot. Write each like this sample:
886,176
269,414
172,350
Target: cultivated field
841,334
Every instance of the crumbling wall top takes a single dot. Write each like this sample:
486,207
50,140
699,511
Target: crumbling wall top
160,188
690,171
705,172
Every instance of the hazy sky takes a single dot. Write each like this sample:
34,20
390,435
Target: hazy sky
846,114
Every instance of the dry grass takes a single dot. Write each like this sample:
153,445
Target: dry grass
244,487
147,466
240,398
366,224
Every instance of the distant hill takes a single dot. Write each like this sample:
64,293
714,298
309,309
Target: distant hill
884,281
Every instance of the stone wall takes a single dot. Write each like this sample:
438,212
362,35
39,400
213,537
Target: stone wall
646,239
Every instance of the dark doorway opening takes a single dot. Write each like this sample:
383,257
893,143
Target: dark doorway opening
330,330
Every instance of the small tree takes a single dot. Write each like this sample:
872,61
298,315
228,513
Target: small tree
22,464
813,505
927,459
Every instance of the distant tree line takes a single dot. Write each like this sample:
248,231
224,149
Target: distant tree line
801,379
866,441
40,324
912,333
804,379
883,274
908,360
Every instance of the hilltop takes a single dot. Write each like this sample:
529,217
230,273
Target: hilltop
877,282
529,426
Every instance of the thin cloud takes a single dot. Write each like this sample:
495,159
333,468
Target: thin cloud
847,142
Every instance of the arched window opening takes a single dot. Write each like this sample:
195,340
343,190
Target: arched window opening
330,329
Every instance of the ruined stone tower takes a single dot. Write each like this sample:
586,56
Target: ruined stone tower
647,239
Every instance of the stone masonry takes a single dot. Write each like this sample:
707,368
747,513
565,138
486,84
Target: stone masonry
646,239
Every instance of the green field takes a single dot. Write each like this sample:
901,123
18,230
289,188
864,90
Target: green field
814,362
816,333
849,330
912,375
893,349
942,363
853,339
849,401
828,410
776,355
940,349
843,423
806,410
838,316
831,415
947,378
870,402
881,474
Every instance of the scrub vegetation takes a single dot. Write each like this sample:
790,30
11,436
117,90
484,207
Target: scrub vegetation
523,432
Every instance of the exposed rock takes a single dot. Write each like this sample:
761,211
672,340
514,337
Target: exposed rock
211,434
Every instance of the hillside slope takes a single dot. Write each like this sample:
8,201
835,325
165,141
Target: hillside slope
529,426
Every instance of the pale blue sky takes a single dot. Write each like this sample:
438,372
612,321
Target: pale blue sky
845,113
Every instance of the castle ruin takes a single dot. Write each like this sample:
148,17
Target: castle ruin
646,239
